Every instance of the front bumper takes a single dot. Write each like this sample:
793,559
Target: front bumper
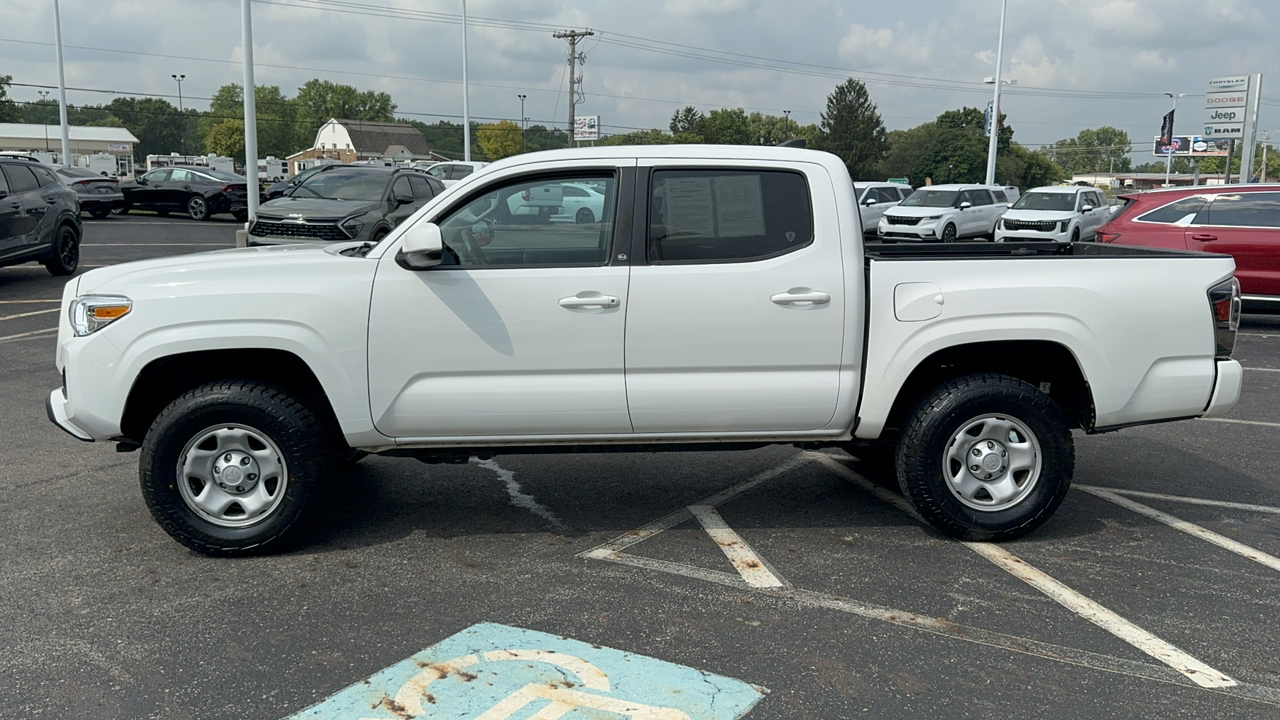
1003,235
926,231
1226,389
56,407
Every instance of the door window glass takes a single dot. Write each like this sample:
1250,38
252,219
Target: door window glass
513,226
1000,196
422,189
1242,210
981,197
460,171
966,196
4,185
1174,211
438,171
156,176
45,177
886,195
20,178
713,216
401,187
180,175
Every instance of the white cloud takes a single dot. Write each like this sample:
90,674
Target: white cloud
706,8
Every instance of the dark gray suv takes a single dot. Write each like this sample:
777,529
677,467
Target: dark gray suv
39,217
342,203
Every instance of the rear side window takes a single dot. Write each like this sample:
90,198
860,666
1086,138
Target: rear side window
45,177
981,197
4,184
1174,211
717,216
460,171
1242,210
20,178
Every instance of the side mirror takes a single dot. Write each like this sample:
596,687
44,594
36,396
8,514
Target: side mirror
403,198
869,202
141,181
966,205
1086,208
423,247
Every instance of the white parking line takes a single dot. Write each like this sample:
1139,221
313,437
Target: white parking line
1199,673
748,564
28,334
1242,422
1189,528
221,244
1190,500
1263,369
1261,335
17,302
28,314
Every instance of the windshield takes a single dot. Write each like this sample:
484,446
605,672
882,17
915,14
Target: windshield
366,186
1046,201
931,198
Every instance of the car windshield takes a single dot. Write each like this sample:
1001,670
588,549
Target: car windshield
348,185
1046,201
931,198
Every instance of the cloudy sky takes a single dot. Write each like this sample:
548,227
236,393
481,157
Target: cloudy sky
1077,63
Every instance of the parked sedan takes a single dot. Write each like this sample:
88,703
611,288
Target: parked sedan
344,202
99,195
558,202
200,192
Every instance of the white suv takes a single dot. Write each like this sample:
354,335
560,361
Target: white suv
946,213
876,197
1056,214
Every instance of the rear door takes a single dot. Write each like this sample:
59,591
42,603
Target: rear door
735,320
10,218
1246,226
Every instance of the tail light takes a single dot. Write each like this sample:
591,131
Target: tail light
1224,302
1104,237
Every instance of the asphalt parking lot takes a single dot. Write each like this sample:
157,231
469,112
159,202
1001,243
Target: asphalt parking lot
1152,592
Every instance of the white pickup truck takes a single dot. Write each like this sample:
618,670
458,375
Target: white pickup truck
722,298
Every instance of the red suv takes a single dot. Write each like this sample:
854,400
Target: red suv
1242,221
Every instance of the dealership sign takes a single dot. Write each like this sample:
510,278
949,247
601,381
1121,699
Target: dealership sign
1191,146
1226,103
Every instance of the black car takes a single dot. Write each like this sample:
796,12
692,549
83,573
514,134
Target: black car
342,203
99,195
200,192
39,217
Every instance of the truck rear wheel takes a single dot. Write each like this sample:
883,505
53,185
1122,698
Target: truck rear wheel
230,467
986,457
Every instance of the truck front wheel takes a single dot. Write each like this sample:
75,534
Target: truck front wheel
229,467
986,457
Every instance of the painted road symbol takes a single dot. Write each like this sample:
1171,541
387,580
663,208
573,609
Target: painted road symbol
498,672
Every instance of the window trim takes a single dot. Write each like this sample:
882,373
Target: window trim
1138,219
640,241
624,177
1209,206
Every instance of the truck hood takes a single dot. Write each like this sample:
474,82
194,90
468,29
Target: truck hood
309,208
1039,215
176,271
916,211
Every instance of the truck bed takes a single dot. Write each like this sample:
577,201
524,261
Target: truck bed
988,250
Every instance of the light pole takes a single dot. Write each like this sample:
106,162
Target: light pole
182,125
995,102
62,88
44,95
250,113
522,121
1168,151
466,113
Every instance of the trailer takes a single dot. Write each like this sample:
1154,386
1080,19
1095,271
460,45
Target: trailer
211,161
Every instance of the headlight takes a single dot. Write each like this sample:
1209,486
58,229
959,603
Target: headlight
91,313
1062,226
932,217
352,226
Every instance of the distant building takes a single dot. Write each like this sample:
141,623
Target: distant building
347,141
45,141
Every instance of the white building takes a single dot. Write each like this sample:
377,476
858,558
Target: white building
88,141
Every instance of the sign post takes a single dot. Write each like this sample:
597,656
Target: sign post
1231,113
586,127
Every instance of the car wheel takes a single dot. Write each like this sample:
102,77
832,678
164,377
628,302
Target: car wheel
99,213
949,233
66,251
1075,235
198,208
377,236
584,216
986,457
230,467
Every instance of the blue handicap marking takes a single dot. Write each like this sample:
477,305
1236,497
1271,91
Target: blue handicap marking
498,672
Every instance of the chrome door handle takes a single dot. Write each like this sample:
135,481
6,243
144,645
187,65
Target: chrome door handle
586,300
796,296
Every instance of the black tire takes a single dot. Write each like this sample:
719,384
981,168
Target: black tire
585,216
377,235
100,212
301,438
921,457
66,251
198,208
1075,235
122,210
949,233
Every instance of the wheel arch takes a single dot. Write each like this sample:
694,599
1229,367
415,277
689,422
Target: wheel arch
163,379
1035,361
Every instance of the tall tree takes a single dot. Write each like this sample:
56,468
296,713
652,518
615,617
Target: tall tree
319,101
9,110
688,119
1105,149
771,129
226,139
500,139
853,129
641,137
278,127
541,137
154,121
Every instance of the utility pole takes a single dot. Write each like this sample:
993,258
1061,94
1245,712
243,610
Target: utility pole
522,121
1266,140
995,102
575,80
466,110
250,113
182,137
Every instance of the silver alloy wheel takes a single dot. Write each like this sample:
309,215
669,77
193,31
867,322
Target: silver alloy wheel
992,463
197,207
232,475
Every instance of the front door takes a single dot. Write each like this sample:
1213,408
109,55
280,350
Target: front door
1245,226
737,307
518,333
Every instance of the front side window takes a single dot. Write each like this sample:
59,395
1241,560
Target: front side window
887,195
525,224
713,216
932,198
1175,212
440,171
156,176
981,197
401,188
1255,209
422,189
